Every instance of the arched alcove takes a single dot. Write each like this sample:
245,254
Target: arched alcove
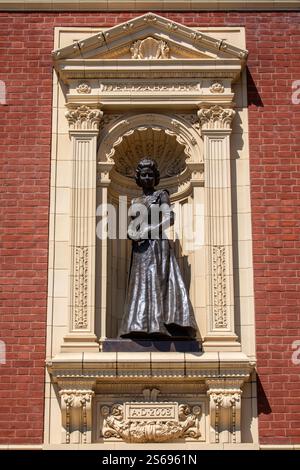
170,140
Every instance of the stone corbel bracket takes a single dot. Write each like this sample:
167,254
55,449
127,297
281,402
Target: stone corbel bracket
76,410
225,409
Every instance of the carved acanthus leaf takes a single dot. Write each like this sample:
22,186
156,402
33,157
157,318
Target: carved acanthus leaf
84,118
216,117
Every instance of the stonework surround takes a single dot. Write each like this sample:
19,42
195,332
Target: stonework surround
158,82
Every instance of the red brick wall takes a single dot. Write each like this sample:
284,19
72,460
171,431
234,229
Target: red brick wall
26,41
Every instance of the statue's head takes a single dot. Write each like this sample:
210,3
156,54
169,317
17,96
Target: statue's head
147,173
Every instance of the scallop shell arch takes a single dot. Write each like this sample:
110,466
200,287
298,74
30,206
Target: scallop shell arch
169,139
154,142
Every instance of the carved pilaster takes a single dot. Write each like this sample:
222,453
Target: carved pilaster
83,129
215,124
76,410
225,410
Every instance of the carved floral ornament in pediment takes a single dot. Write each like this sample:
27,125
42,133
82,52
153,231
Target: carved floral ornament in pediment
150,48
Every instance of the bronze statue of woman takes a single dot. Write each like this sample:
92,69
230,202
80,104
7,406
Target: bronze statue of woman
157,302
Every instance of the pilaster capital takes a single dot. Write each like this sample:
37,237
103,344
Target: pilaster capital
84,118
215,117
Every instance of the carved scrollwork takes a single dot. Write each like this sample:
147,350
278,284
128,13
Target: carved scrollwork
150,422
225,399
76,398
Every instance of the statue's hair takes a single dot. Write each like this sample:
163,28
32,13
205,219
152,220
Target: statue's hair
147,163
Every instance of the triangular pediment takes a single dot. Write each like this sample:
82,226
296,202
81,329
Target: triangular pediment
150,37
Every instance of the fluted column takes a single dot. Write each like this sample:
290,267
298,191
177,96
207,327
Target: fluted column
215,122
83,129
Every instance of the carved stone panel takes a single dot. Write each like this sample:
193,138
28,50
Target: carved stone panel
146,422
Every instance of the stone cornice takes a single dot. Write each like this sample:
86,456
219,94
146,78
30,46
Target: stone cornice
106,69
171,366
140,5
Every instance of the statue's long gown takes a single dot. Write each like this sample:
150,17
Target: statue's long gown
157,301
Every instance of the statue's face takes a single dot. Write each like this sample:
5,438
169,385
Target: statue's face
147,178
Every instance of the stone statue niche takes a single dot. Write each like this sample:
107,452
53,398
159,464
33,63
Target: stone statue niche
151,274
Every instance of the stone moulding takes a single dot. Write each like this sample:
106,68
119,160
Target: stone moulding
203,366
140,5
140,25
